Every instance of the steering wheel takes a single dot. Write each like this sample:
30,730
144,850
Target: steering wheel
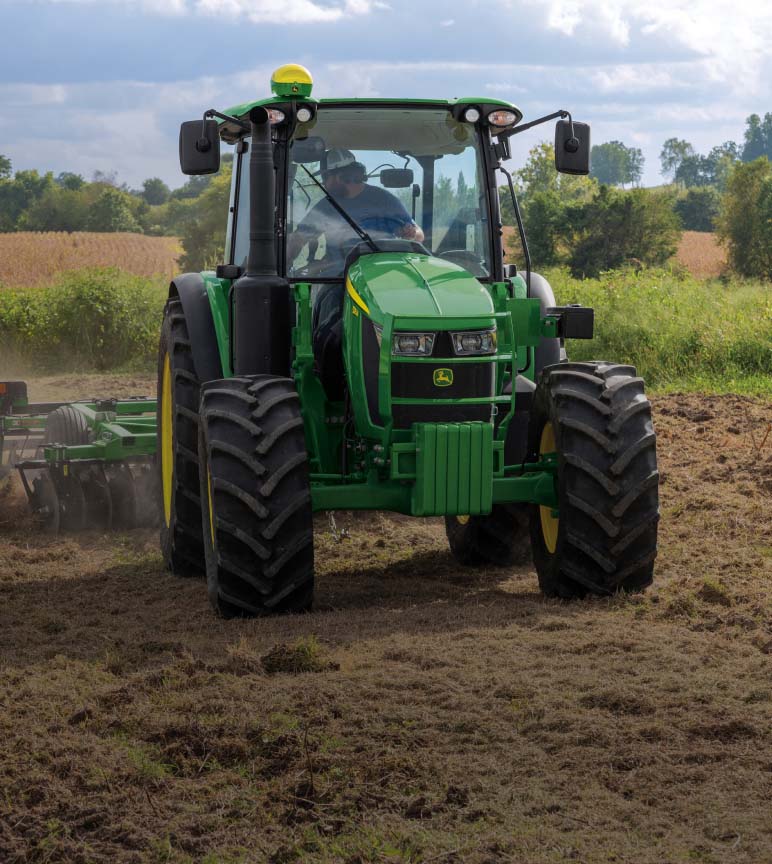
468,260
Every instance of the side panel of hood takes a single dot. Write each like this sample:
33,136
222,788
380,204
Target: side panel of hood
406,283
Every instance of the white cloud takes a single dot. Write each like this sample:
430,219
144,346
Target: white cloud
256,11
733,40
448,22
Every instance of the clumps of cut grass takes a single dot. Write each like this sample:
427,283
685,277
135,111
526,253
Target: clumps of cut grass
715,592
305,655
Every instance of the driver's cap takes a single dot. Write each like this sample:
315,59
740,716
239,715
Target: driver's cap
339,157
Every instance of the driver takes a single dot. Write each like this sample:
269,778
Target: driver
372,208
376,211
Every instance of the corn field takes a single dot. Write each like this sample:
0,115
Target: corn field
36,258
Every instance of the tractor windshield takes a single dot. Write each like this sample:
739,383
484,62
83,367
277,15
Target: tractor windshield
412,173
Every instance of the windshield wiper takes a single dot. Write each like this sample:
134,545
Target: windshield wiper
361,233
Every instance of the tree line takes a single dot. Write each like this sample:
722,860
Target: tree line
589,223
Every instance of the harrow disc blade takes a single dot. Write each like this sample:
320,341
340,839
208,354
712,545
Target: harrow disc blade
44,501
97,497
123,495
72,502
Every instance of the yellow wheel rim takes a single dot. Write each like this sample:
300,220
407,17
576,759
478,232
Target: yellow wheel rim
462,520
211,509
167,439
549,523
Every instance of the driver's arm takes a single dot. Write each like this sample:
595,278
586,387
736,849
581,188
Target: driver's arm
301,236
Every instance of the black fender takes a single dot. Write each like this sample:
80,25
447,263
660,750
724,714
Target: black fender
548,351
191,291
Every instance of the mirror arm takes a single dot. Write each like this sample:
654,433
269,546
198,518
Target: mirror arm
203,144
554,116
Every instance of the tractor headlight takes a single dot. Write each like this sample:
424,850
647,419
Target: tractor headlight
502,118
470,342
275,116
412,344
471,115
304,114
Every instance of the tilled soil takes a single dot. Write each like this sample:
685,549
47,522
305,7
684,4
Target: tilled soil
423,712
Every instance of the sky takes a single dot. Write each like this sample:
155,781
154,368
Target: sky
90,85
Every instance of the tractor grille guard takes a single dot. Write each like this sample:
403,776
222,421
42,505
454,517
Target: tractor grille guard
505,355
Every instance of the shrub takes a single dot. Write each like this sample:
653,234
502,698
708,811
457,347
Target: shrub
745,220
698,208
99,318
677,330
616,228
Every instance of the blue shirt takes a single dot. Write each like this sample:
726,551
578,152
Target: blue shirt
375,210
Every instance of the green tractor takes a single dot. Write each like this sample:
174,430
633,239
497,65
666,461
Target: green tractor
364,346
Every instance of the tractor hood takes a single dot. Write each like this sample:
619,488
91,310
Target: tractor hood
414,285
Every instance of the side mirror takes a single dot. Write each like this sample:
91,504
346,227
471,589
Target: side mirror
572,147
396,178
199,147
305,150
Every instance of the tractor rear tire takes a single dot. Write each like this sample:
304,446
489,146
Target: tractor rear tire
256,497
500,539
67,426
597,418
182,543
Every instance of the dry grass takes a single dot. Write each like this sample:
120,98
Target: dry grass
701,254
422,713
35,258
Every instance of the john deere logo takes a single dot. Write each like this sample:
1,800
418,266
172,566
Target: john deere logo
443,377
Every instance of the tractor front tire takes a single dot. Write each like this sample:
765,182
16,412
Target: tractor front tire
603,539
256,497
500,539
177,457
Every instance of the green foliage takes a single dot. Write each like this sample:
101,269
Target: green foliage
758,138
615,164
616,228
673,153
201,224
155,191
99,318
112,212
745,220
19,193
698,208
678,331
5,167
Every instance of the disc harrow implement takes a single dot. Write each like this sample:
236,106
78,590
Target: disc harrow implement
83,464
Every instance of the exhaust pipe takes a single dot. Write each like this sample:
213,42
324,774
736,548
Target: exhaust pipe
260,299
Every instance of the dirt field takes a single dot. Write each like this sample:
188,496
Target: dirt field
422,713
35,258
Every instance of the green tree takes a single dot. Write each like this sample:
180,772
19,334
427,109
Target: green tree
155,191
202,224
615,164
755,145
19,193
5,167
57,209
619,227
68,180
112,212
698,208
745,218
673,153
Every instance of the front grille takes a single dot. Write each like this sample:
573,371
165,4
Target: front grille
416,381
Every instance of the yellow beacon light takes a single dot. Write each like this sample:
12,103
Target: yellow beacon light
291,80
